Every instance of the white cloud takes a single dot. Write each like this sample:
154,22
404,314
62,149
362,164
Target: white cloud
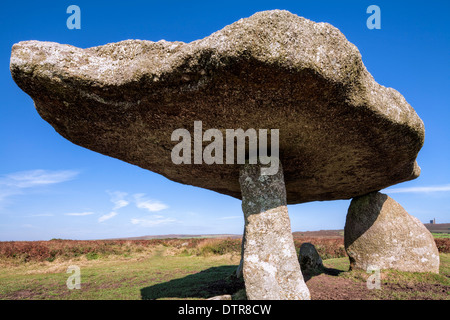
15,183
152,221
107,216
118,199
150,205
34,178
427,189
120,204
79,213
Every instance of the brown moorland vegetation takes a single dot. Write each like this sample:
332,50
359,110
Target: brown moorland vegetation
327,247
25,251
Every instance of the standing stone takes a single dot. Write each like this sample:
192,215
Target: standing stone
380,233
270,266
309,258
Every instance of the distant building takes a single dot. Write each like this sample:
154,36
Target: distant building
433,221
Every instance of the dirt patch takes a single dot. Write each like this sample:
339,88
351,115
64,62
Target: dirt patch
20,295
417,291
326,287
37,294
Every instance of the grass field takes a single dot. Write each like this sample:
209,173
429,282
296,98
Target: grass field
441,235
155,275
185,269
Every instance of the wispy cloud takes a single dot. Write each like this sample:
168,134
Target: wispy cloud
107,216
426,189
148,204
118,199
16,183
152,221
122,199
79,213
34,178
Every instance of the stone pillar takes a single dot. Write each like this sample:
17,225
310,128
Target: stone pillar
309,258
270,266
380,234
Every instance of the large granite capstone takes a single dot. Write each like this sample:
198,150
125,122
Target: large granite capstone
341,133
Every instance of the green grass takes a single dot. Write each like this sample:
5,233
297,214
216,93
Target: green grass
156,277
341,264
92,256
182,276
444,267
441,235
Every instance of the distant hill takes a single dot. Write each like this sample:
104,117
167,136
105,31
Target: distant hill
438,227
181,236
320,233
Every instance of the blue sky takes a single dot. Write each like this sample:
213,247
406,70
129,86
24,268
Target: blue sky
51,188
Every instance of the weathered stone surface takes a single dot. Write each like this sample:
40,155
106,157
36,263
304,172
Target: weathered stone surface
309,258
270,266
379,232
341,133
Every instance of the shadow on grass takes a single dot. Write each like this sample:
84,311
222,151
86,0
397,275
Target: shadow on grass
307,275
204,284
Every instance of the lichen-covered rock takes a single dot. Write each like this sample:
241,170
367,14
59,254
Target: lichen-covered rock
270,266
380,233
309,258
341,133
